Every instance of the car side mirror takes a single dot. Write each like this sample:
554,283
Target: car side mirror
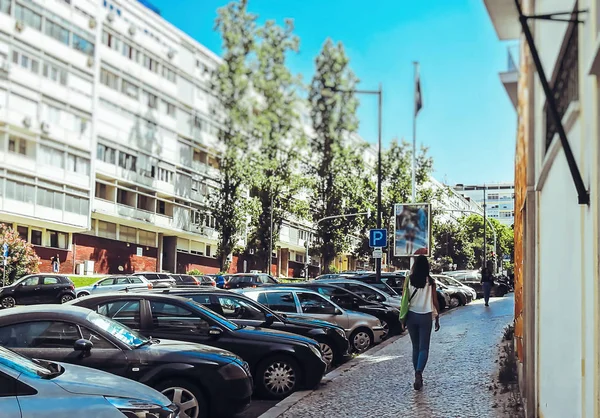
269,319
338,311
83,345
215,332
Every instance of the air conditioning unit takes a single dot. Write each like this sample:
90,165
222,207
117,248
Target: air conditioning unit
92,23
27,122
19,26
171,53
90,61
132,30
110,17
45,127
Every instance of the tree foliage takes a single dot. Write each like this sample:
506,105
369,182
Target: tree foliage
22,259
452,241
473,228
231,86
340,175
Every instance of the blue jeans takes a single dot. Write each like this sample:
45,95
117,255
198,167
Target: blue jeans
487,289
419,328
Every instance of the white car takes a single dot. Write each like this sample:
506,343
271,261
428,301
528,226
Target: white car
114,284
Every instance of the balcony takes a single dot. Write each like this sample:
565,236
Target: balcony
505,18
510,77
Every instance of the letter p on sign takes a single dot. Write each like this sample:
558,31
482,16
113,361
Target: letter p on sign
378,238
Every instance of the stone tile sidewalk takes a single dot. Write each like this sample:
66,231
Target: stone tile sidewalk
460,369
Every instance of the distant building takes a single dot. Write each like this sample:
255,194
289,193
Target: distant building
452,204
499,197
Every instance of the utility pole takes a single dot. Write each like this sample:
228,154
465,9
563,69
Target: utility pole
379,107
484,227
270,257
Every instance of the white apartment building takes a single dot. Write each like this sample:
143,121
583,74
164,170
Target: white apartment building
499,198
452,205
109,137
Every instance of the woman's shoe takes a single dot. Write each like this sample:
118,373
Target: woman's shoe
418,381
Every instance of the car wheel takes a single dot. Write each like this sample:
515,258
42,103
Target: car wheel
277,377
454,301
8,302
187,396
386,328
82,294
328,353
66,298
361,340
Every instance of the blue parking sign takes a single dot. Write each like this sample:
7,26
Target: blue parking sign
5,249
378,238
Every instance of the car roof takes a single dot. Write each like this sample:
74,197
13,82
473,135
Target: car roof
46,311
272,289
125,295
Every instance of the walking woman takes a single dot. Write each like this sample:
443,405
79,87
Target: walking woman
487,281
419,307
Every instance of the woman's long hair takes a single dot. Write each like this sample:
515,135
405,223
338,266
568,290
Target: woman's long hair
420,272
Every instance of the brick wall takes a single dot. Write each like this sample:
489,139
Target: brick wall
187,262
46,254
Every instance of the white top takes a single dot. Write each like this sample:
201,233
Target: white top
421,302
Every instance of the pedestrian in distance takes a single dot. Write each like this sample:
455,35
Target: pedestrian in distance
487,281
418,309
55,263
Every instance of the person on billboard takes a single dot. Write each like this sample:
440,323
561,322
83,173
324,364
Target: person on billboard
418,309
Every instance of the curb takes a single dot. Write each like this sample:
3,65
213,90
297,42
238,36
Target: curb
279,409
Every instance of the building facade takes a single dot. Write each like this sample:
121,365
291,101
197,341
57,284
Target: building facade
452,204
556,229
499,198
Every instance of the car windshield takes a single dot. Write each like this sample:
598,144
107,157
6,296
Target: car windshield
121,332
215,316
22,364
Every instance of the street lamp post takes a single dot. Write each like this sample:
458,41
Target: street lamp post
327,92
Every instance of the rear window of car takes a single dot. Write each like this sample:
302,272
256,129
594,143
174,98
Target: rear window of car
243,279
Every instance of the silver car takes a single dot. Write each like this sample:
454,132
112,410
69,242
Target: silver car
366,291
42,389
362,329
114,284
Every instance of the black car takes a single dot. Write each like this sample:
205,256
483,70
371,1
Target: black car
473,280
243,280
279,361
245,311
386,283
198,378
389,316
37,288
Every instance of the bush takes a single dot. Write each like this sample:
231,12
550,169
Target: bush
194,272
508,365
22,259
509,332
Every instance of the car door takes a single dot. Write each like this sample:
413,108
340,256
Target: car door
240,311
120,283
55,340
27,292
105,285
282,302
317,307
50,289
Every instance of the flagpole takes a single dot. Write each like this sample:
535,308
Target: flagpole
414,144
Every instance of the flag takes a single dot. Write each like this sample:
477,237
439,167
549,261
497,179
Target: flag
418,96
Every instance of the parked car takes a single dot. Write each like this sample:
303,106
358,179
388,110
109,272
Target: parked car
158,279
279,361
245,311
187,280
243,280
114,283
473,279
37,288
45,389
366,291
198,378
450,281
389,316
443,296
458,297
385,283
361,329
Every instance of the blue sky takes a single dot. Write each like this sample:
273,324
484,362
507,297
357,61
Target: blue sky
467,120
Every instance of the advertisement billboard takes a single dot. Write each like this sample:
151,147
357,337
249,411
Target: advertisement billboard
412,234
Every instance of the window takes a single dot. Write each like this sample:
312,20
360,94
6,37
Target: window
315,304
109,79
50,199
126,312
40,334
130,89
147,238
83,45
58,239
127,161
77,205
51,280
36,237
100,343
31,281
17,145
78,164
208,250
299,258
170,108
56,31
23,232
168,73
51,156
5,6
171,318
106,154
161,207
165,175
28,17
234,308
152,101
127,234
55,73
280,301
198,123
19,191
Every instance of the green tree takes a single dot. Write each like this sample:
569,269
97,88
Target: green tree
231,87
281,139
339,173
22,258
451,240
473,228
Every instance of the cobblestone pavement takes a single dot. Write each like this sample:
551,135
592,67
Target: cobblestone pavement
460,369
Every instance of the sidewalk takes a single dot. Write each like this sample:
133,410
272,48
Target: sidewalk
460,369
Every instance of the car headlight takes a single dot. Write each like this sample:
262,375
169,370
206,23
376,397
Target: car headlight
316,351
340,332
233,371
137,408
